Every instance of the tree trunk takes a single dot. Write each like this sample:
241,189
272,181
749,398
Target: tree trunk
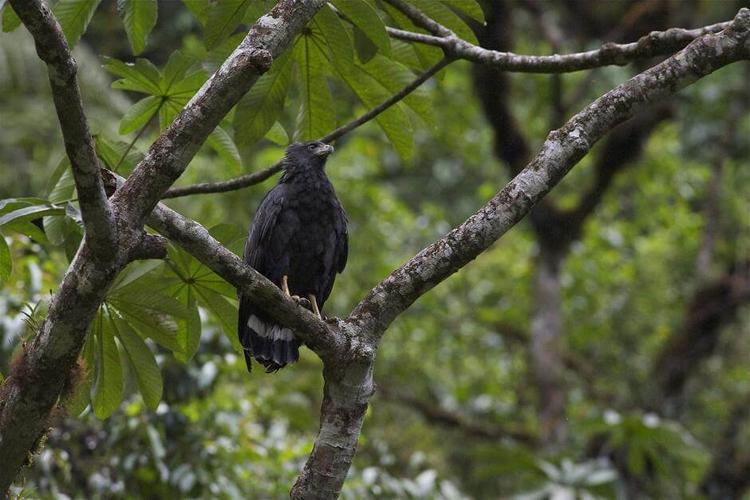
546,361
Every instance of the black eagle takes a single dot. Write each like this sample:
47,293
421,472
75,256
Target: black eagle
298,240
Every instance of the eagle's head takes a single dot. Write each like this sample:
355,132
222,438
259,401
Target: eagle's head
307,154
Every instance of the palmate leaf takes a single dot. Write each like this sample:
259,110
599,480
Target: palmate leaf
141,76
11,20
221,142
31,212
223,17
394,76
22,222
469,8
6,260
74,17
394,121
142,363
327,27
445,16
108,389
118,156
428,56
366,19
139,18
263,104
317,115
79,400
140,114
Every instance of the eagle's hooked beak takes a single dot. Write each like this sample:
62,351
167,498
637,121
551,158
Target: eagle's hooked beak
324,150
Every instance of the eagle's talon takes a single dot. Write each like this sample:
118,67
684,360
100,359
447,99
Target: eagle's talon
314,304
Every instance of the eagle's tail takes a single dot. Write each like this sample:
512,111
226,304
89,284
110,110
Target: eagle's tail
272,345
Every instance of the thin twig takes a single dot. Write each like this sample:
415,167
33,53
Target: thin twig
79,145
654,44
248,180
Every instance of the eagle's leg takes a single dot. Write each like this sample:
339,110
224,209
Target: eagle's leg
314,304
285,285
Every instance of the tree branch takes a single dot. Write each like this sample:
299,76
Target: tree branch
560,152
248,180
31,390
79,146
654,44
436,414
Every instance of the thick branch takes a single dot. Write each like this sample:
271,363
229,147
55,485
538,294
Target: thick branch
195,239
173,150
560,152
79,146
248,180
32,388
654,44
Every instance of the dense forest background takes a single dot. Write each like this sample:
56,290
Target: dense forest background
599,348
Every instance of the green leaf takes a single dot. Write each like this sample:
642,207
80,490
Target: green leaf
6,260
263,104
278,135
117,155
28,229
134,271
394,76
428,56
139,18
167,113
175,70
189,332
60,229
140,114
74,16
199,9
81,396
394,121
367,20
316,115
142,362
108,389
65,187
142,76
32,212
222,143
366,50
468,7
223,311
223,17
327,29
11,20
447,18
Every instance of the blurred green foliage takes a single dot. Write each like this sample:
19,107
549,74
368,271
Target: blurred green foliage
182,418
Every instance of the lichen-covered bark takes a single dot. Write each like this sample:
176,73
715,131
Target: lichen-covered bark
79,146
559,153
33,386
545,352
29,393
347,391
654,44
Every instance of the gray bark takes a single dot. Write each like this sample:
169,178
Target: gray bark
32,388
347,347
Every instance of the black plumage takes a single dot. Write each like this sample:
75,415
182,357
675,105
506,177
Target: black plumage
299,232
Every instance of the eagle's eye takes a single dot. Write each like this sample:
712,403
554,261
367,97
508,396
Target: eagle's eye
311,147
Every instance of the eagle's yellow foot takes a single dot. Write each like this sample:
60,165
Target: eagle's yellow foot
285,285
315,308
